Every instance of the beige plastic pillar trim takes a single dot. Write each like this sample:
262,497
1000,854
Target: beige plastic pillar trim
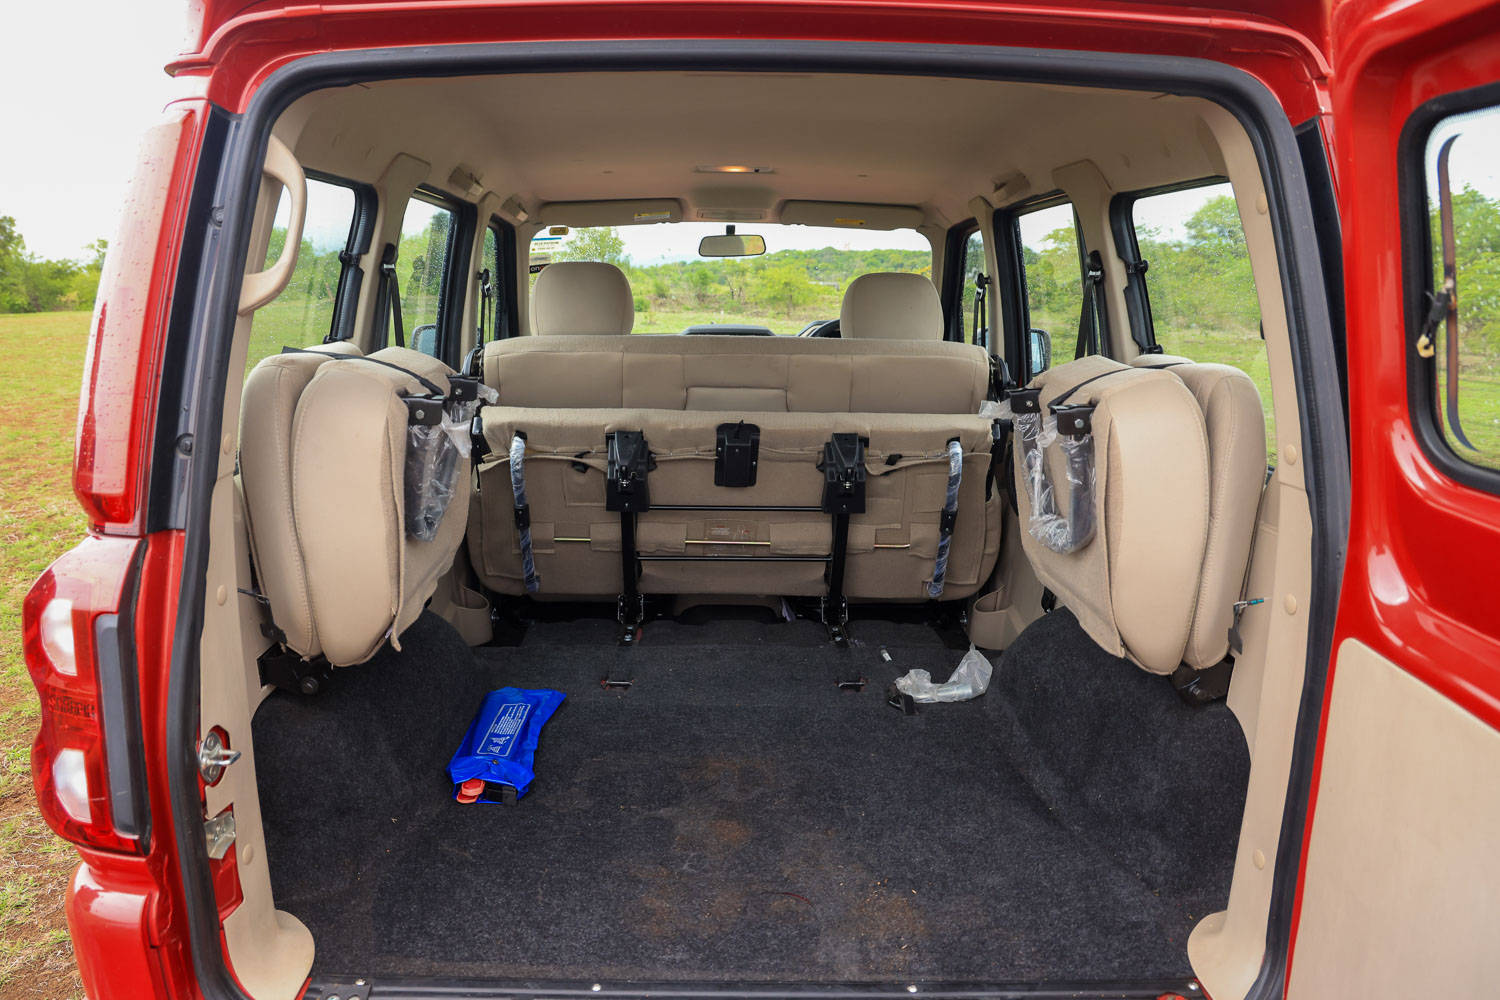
487,208
525,231
984,214
1090,193
263,286
1226,949
392,191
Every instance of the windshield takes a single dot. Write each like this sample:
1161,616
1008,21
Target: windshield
798,281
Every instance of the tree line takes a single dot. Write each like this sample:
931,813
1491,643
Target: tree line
29,283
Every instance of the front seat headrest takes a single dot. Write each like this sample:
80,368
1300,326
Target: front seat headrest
581,297
891,306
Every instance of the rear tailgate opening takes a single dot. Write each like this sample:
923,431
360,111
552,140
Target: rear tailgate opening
733,821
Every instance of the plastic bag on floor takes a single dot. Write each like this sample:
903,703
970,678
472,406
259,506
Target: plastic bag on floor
970,680
495,761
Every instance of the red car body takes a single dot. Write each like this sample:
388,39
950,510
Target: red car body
1413,585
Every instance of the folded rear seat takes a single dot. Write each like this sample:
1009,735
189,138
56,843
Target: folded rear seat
576,541
324,441
1236,429
1123,546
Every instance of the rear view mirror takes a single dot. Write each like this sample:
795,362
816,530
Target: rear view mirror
1041,352
731,245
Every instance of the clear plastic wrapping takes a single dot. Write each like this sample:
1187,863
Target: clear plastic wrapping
950,515
970,680
433,451
1047,525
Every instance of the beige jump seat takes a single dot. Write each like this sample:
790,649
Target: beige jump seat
322,443
1178,466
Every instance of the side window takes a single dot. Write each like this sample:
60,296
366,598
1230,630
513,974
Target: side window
1200,294
303,314
1052,276
1460,333
492,286
974,290
422,269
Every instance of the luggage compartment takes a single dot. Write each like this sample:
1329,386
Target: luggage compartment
733,817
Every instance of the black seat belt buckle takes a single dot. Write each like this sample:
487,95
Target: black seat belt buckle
478,444
625,486
523,517
843,468
947,522
736,454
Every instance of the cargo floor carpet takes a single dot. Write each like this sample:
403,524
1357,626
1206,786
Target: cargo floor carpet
734,818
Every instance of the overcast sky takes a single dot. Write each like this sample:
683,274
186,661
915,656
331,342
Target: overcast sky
79,84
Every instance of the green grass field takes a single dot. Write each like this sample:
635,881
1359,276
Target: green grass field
39,520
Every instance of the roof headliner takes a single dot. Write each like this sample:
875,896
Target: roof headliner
926,141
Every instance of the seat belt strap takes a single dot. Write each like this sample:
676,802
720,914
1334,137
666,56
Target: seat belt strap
523,511
392,292
949,518
1236,641
1091,319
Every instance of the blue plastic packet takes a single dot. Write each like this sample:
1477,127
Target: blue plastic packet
494,762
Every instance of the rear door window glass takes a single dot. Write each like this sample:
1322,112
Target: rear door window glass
1200,290
1053,277
972,316
1464,327
421,270
303,314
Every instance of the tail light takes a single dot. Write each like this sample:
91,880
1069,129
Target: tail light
84,762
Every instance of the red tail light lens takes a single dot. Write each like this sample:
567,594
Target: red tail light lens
60,619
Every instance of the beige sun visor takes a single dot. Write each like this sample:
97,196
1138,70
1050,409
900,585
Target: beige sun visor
624,212
849,215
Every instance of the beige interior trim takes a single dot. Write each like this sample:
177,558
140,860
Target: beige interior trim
1401,894
270,951
401,177
1226,948
849,215
1086,187
619,212
261,287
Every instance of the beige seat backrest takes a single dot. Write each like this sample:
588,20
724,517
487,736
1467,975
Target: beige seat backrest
791,374
367,580
580,298
1134,585
323,447
576,540
1236,429
891,305
267,410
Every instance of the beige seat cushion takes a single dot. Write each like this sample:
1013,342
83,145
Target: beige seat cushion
575,297
891,306
1236,429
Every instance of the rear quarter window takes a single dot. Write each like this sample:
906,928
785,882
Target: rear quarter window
1459,339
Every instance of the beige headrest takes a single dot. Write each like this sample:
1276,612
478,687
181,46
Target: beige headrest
581,297
891,306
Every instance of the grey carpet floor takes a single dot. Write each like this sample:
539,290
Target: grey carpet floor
735,818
